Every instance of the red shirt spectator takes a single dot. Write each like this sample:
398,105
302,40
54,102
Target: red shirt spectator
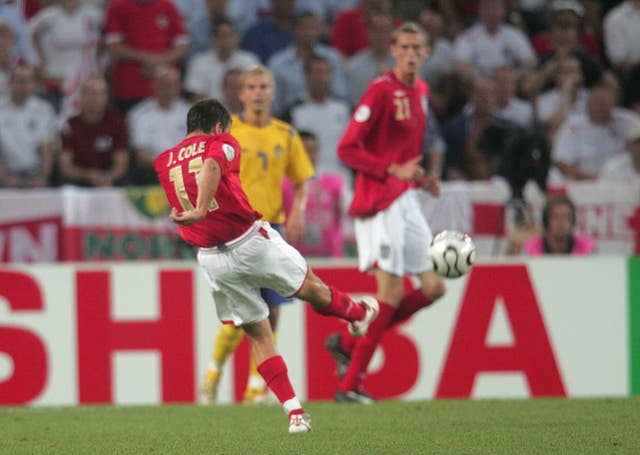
93,145
349,34
142,35
94,142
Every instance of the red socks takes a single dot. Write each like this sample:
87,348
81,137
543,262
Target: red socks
365,347
342,306
410,304
274,372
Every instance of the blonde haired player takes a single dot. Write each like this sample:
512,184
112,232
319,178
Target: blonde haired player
271,150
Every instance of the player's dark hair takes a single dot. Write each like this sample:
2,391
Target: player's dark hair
205,114
306,134
556,201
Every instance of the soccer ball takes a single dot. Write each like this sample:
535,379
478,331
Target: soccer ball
452,254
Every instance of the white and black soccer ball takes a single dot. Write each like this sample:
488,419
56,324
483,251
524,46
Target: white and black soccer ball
452,253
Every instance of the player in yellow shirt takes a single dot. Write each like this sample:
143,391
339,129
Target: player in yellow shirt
271,150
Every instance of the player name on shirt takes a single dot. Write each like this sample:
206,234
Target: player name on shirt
184,153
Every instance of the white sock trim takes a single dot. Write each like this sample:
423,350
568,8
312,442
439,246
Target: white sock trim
291,405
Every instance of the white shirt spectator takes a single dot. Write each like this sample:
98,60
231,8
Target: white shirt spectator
619,167
508,47
361,69
622,34
327,120
155,129
23,129
68,40
547,104
517,111
206,71
587,146
439,63
288,72
11,13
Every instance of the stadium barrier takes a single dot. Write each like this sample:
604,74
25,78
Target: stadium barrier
76,224
132,333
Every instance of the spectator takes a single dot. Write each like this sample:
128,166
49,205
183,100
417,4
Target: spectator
585,142
65,37
10,13
94,142
324,116
327,205
433,146
564,41
507,105
491,43
288,64
567,15
272,33
349,35
622,43
558,236
440,61
246,13
8,57
141,36
464,160
326,10
207,69
458,14
231,83
372,61
202,28
28,133
157,123
624,166
622,35
568,97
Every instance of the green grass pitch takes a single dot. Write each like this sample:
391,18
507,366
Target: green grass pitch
537,426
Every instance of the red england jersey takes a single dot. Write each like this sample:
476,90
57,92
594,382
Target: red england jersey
387,127
94,144
152,26
230,213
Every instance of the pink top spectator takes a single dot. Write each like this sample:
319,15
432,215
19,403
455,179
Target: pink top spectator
323,223
582,246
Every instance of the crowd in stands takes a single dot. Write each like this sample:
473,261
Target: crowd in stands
92,90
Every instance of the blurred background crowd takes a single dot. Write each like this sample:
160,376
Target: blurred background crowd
91,91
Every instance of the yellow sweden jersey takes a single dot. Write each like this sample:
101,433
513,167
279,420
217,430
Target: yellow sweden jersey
268,154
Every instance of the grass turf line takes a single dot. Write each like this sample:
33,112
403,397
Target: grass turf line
442,426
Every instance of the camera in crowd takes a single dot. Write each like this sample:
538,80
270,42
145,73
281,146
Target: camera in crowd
517,154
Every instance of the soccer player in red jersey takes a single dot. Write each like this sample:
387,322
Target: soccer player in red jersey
383,144
238,252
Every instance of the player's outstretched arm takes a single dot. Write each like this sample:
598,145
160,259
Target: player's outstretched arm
208,181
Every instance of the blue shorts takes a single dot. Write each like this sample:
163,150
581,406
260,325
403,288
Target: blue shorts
269,295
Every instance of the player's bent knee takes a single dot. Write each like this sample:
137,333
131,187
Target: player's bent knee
434,287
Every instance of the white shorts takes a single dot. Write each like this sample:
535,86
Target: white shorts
396,239
259,258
